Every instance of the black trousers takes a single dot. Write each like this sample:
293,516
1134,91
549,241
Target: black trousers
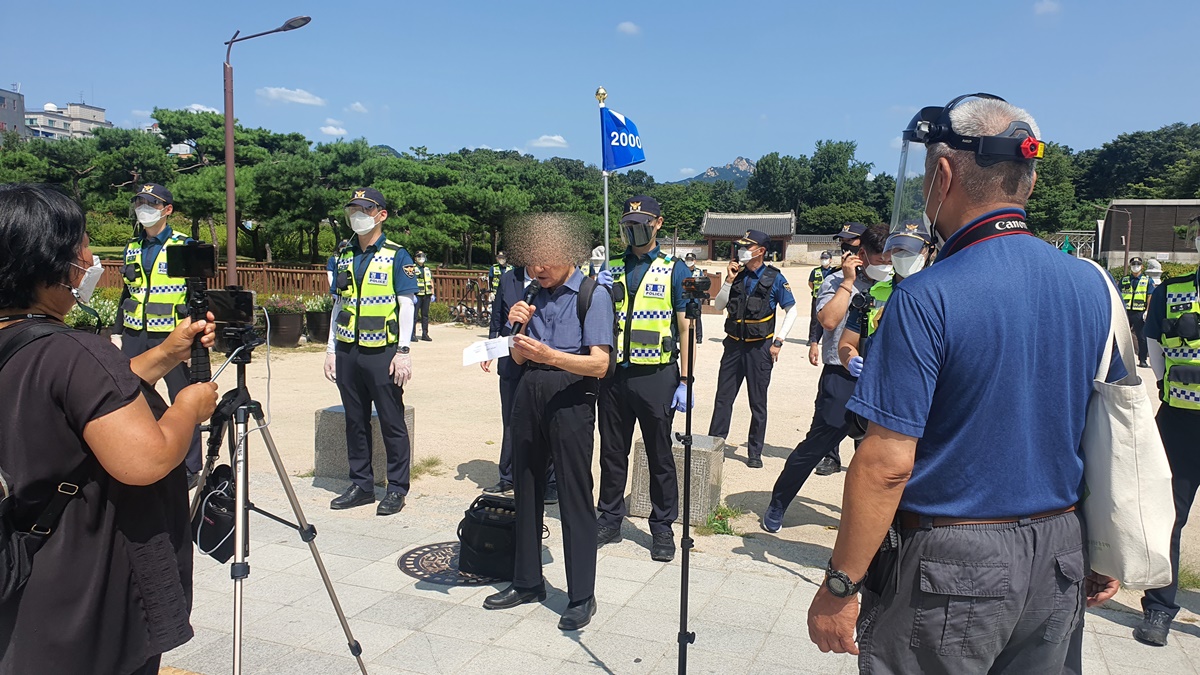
555,413
137,342
363,379
639,394
1137,324
422,311
826,432
1178,429
750,362
508,394
814,327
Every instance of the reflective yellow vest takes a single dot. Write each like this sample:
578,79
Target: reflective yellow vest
156,301
818,279
496,272
369,313
1134,297
1181,353
646,317
424,280
880,293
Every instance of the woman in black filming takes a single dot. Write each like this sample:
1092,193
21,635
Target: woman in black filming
110,588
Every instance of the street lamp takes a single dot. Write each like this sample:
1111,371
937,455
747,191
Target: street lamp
1128,229
230,190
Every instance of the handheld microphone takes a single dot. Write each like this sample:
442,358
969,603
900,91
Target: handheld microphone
531,292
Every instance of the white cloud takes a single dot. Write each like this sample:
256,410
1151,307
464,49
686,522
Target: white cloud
285,95
1047,7
140,113
333,122
200,107
687,171
546,141
357,107
628,28
330,130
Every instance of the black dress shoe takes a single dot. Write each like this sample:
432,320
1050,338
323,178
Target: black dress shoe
754,463
352,497
513,596
1154,628
503,488
426,338
551,495
663,548
392,504
578,615
607,535
827,467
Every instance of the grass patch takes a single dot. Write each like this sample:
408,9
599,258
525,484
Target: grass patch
720,521
307,474
426,466
1189,579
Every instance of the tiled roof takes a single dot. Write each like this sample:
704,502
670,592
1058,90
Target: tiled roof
736,224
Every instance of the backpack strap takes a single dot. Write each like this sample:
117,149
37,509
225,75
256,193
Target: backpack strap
583,303
35,331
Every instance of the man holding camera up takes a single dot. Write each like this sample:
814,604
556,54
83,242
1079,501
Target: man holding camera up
651,379
751,292
368,353
152,303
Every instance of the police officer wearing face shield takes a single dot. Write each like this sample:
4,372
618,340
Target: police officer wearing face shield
751,293
368,353
959,521
650,383
1136,289
152,303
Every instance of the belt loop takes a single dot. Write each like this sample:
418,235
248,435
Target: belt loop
1024,521
925,522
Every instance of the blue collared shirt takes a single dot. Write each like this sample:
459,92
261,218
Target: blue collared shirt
781,292
555,320
402,282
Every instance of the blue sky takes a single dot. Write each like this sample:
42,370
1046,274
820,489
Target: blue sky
704,81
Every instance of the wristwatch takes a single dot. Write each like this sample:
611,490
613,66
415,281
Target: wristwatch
839,583
403,350
777,342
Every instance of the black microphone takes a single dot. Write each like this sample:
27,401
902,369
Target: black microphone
531,292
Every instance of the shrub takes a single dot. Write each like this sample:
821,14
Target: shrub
107,230
439,312
322,302
105,308
283,304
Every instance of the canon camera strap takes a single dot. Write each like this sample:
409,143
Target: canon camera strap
999,225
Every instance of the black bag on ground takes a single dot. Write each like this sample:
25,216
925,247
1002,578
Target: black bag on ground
212,526
487,538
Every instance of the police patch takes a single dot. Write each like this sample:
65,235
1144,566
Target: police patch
411,271
162,267
377,278
787,286
656,291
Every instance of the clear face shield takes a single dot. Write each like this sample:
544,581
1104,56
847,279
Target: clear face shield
909,201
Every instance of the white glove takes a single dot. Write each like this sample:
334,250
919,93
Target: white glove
433,298
401,369
331,368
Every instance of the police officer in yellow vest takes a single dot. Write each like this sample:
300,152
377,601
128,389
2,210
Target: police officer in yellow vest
1136,289
497,270
368,352
152,302
425,296
649,384
1173,333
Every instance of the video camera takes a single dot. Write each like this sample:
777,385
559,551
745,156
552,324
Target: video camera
696,288
232,308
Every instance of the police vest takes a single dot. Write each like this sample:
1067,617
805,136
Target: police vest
751,316
880,292
498,270
645,315
156,301
1181,345
1134,296
424,280
818,279
369,313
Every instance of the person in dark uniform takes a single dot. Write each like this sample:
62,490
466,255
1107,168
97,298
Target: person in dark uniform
495,272
650,384
696,273
1172,336
512,289
368,353
1136,289
152,303
425,296
751,293
554,414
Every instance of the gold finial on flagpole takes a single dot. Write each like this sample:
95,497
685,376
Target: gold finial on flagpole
601,95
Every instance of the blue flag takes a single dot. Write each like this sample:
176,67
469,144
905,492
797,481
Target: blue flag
620,140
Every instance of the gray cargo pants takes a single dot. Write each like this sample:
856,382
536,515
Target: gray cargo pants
1004,598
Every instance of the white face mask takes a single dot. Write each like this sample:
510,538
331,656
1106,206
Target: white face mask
362,223
87,283
745,255
421,260
1136,269
147,215
879,272
907,264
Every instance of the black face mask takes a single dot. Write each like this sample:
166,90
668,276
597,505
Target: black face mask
847,248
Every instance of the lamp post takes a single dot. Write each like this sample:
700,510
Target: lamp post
1128,229
230,190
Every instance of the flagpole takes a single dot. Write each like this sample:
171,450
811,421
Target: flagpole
600,96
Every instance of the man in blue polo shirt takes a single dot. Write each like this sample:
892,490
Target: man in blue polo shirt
973,452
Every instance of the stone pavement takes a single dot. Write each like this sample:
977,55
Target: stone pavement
749,599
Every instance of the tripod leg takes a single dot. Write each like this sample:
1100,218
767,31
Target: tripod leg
308,534
240,569
685,542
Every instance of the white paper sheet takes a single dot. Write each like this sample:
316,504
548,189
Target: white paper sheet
486,350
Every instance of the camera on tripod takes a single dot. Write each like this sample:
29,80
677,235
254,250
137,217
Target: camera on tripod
232,308
696,288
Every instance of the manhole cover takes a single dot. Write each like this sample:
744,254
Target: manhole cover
438,564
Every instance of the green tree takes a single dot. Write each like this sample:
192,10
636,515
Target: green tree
829,218
1052,206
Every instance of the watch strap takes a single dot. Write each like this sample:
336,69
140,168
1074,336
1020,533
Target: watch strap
852,587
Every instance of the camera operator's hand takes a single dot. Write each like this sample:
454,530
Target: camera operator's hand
331,367
178,344
521,313
605,278
199,398
732,270
401,369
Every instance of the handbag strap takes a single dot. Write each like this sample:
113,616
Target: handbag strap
1118,331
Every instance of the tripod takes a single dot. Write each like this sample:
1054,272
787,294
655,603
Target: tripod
692,313
237,406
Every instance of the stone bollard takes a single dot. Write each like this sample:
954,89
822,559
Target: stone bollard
708,458
330,458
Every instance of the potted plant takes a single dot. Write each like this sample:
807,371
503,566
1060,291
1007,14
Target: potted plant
80,320
317,316
286,314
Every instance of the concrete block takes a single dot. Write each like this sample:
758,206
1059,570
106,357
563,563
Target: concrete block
708,460
330,458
